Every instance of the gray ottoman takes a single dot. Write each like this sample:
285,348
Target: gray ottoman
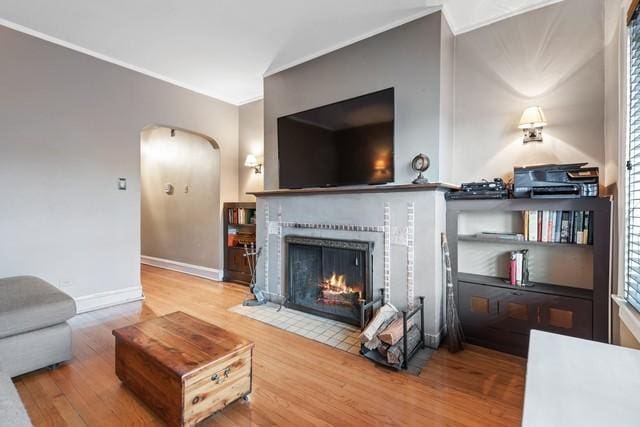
33,329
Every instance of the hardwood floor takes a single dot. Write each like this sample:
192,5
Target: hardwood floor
296,381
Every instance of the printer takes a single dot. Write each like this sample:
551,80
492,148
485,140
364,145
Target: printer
555,181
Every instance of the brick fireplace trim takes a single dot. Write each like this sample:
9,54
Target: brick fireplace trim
276,228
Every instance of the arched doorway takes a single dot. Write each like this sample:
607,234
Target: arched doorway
180,200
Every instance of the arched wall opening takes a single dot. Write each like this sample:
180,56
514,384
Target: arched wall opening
180,215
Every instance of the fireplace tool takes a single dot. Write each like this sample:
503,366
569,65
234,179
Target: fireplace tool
252,256
455,336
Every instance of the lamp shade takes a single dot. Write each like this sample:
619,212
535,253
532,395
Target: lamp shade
251,161
533,117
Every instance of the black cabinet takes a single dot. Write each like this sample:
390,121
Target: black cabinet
502,317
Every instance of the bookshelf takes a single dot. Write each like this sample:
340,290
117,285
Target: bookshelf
238,228
569,287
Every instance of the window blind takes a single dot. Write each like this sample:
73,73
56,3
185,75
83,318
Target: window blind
632,280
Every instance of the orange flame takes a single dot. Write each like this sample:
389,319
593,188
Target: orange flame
338,283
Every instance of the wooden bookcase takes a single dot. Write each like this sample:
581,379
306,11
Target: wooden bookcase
236,266
497,315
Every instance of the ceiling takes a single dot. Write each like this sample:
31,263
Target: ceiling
223,48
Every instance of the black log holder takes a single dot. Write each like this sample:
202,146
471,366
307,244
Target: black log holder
366,314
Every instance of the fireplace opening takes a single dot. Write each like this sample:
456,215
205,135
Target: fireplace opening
328,277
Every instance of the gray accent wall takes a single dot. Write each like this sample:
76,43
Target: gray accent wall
407,57
552,57
251,142
70,128
180,225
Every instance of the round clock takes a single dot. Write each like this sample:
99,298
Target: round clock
420,163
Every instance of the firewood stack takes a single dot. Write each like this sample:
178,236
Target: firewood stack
385,332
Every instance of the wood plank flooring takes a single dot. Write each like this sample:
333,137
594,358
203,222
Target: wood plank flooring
296,381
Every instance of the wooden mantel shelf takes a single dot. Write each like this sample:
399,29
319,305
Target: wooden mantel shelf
435,186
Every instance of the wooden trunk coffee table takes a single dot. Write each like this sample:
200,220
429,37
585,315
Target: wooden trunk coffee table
182,367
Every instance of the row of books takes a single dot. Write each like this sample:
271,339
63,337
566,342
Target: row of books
241,216
519,268
559,227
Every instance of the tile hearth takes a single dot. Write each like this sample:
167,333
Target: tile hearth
336,334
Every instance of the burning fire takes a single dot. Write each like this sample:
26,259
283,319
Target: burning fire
336,291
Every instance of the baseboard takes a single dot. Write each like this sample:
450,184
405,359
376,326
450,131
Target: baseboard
107,299
434,340
182,267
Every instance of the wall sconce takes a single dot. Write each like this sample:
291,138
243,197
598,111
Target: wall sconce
532,122
252,162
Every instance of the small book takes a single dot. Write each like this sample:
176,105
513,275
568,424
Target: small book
579,227
512,269
533,226
558,230
564,227
540,215
525,222
585,227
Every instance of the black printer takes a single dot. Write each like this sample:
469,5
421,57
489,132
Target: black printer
555,181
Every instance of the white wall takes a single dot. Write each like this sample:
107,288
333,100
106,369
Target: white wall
183,225
407,58
553,57
251,142
70,128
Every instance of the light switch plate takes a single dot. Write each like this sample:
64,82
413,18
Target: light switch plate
122,184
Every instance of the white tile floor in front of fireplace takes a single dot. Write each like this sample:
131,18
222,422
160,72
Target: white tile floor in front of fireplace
336,334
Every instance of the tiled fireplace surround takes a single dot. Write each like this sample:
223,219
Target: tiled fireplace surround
403,223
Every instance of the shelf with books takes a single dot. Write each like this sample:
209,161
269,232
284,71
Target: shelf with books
239,230
567,245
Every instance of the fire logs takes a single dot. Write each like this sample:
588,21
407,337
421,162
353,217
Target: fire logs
385,332
395,352
386,313
392,333
340,298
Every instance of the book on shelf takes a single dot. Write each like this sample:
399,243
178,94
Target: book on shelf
519,267
546,226
241,216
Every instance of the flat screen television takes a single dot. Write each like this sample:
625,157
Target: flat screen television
346,143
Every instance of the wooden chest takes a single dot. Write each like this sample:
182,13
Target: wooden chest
182,367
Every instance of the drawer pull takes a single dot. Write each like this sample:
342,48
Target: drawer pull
219,378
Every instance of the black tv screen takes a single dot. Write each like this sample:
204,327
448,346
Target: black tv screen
346,143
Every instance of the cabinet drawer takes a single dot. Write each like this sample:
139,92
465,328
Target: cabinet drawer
215,386
502,318
568,316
